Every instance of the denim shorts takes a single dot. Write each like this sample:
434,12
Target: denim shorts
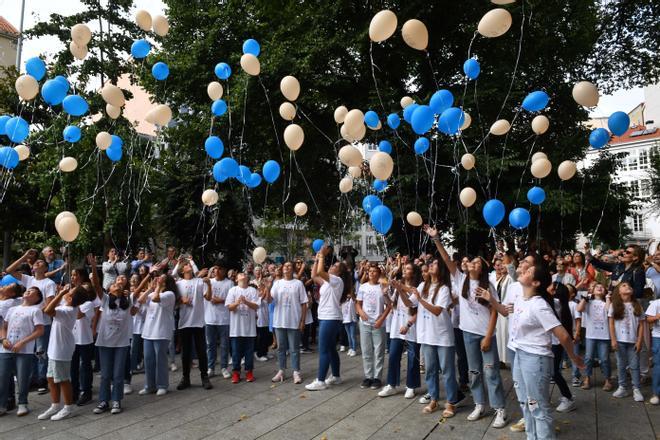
60,371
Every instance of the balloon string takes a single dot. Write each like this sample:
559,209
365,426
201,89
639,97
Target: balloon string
584,178
506,139
245,97
433,75
515,67
561,215
272,119
524,171
607,194
315,126
318,211
399,198
373,75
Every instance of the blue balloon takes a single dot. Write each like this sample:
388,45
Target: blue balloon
217,173
536,195
3,123
75,105
7,280
254,180
618,123
219,107
35,67
421,145
222,70
493,212
244,174
228,167
393,121
381,219
116,143
599,138
53,91
114,153
8,158
422,119
271,171
535,101
519,218
251,46
441,101
471,68
408,112
370,202
65,82
140,49
451,120
17,129
72,133
317,244
371,119
214,147
380,185
160,71
385,147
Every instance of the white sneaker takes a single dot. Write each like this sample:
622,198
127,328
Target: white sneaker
62,414
225,374
637,395
566,405
500,418
128,389
262,359
54,409
173,367
655,400
342,348
410,393
144,392
297,378
388,390
161,391
621,392
476,413
519,426
317,385
333,380
210,372
23,410
425,399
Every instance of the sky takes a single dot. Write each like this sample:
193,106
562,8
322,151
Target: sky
37,10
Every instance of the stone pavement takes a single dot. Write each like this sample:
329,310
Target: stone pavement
286,411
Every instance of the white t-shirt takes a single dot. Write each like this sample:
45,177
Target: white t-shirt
330,297
243,320
138,318
21,321
48,290
535,320
217,314
626,328
62,343
263,314
400,317
654,310
574,311
595,315
7,304
115,326
514,294
82,329
432,329
348,311
159,319
474,317
288,297
567,278
192,315
373,302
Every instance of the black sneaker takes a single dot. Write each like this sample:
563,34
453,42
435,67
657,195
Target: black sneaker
206,383
101,408
376,384
366,383
42,390
116,408
185,383
84,399
306,351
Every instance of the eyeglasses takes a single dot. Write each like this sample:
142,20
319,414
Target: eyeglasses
627,252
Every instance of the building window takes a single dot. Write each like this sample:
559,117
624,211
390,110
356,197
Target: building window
643,159
637,223
371,245
372,147
645,188
631,163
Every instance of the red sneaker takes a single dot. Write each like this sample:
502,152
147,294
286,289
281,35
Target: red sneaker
235,377
249,376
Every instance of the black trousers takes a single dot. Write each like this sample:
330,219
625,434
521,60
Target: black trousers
558,352
264,340
190,336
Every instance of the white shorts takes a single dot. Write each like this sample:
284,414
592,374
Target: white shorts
60,371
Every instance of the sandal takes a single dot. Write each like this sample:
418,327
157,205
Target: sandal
431,407
450,411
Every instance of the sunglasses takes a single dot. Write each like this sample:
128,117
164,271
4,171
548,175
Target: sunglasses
628,252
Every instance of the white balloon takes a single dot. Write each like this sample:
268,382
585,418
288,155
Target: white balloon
406,101
350,136
468,161
214,90
143,20
346,184
566,170
103,140
415,34
23,152
287,111
502,2
353,120
340,114
539,155
162,115
27,87
294,136
382,26
113,95
209,197
350,156
300,209
541,168
381,165
495,23
81,34
467,196
250,64
160,25
414,218
290,87
586,94
467,120
79,52
500,127
259,255
68,229
356,172
112,111
62,215
68,164
540,124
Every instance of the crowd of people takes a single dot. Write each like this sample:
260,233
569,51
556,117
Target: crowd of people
458,319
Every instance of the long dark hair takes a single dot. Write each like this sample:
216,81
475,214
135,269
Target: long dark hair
170,285
347,278
444,279
618,306
562,294
543,277
416,280
484,283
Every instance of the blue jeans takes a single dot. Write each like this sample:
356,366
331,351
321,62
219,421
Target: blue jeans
461,357
627,357
22,365
137,351
156,371
602,347
81,369
394,364
576,370
656,366
213,334
288,339
113,364
484,364
350,332
440,360
242,347
328,356
531,380
40,367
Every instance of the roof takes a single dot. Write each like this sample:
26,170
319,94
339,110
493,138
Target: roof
7,28
635,134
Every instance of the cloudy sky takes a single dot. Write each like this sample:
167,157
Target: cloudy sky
37,10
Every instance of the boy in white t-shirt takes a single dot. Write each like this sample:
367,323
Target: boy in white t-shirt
242,301
653,318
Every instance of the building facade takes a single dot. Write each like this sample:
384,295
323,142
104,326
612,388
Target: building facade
8,43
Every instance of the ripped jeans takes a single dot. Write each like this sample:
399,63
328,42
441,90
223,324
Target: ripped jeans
531,380
484,368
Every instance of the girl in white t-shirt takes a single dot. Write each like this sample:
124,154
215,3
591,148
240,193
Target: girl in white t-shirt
349,319
594,309
138,322
242,301
653,318
81,363
626,332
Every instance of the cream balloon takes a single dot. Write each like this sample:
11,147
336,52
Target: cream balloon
68,229
351,136
340,114
540,124
209,197
356,172
467,121
541,168
539,155
406,101
287,111
27,87
381,165
414,218
495,23
112,111
500,127
290,87
502,2
160,25
103,140
415,34
468,161
150,117
382,26
62,215
586,94
79,52
259,255
143,20
250,64
162,115
467,196
214,90
350,156
68,164
345,185
23,152
300,209
81,34
113,95
294,136
353,120
567,170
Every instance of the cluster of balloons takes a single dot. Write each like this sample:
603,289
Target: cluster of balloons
380,216
81,35
227,168
66,225
249,61
141,48
114,100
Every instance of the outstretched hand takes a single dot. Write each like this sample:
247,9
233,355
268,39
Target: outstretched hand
432,232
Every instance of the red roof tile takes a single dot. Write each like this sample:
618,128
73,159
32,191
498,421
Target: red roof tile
635,134
7,28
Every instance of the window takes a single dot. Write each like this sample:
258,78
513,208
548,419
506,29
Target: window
372,249
372,147
637,223
643,159
631,162
645,188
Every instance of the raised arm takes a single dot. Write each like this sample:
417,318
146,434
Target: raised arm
435,238
12,269
50,307
319,275
96,282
